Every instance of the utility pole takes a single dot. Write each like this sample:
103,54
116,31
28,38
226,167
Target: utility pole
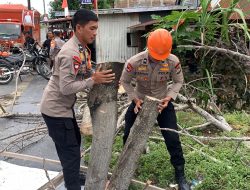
44,10
29,5
29,8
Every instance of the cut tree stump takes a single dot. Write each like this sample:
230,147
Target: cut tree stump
102,102
128,160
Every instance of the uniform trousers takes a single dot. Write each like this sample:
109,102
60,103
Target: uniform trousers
167,119
67,138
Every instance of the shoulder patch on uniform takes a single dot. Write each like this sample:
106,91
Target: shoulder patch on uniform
178,71
177,66
76,64
129,68
77,59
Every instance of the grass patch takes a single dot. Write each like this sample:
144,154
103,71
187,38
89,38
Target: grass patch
189,119
223,165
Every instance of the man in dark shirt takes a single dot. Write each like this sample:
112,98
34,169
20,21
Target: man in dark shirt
29,41
46,43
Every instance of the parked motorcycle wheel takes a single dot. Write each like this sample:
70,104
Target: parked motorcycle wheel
5,79
37,68
45,70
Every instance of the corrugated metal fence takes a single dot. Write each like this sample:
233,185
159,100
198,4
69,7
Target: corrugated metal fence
111,41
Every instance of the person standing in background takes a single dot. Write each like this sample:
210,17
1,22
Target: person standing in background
46,43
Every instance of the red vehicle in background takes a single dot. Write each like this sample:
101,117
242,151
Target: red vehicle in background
15,19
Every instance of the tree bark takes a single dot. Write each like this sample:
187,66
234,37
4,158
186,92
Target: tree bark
103,110
134,146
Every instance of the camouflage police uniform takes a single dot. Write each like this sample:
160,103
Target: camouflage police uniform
57,107
153,80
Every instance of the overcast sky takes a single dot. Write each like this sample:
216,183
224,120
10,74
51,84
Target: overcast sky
36,4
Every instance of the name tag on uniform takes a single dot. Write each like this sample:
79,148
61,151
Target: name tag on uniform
142,68
164,69
164,64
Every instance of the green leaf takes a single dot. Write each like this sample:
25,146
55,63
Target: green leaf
210,82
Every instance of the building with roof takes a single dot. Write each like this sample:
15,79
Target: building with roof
121,29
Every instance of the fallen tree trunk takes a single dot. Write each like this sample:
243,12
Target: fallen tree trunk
102,102
134,146
222,124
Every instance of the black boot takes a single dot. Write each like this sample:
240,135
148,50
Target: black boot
82,178
181,179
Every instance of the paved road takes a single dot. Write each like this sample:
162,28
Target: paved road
31,92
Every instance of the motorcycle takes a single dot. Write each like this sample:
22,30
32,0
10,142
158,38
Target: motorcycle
6,72
33,58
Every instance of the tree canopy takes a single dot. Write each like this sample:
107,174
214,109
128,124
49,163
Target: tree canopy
56,5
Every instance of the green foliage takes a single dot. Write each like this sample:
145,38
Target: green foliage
189,118
155,165
185,31
106,4
202,25
230,171
56,5
239,120
116,150
211,27
226,13
210,82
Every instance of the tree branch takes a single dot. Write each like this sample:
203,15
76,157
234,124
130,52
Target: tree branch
221,50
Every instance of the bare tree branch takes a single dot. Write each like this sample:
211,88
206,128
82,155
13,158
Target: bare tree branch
17,77
47,174
221,50
208,138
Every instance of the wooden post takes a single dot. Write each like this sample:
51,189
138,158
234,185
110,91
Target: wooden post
102,102
127,162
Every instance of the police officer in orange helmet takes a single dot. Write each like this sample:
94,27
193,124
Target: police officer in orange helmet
152,69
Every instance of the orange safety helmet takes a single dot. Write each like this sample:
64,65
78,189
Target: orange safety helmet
159,44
